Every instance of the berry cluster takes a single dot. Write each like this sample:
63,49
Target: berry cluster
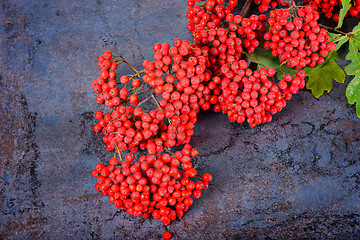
264,5
123,126
354,10
208,14
249,30
159,185
182,89
105,84
128,128
225,45
236,90
181,93
331,8
299,42
254,96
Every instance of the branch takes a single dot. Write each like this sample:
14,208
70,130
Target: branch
156,101
144,101
332,29
245,8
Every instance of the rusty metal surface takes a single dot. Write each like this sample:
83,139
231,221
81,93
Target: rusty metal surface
296,177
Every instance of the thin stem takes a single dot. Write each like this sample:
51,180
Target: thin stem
133,88
332,29
254,61
119,61
138,88
112,120
110,110
156,101
118,151
245,8
137,74
278,69
166,149
144,101
291,3
129,65
145,91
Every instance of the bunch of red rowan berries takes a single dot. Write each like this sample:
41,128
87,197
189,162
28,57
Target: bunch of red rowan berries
214,72
300,42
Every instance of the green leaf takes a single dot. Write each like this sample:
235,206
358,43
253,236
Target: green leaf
345,8
353,93
353,89
265,57
321,76
338,39
356,31
354,54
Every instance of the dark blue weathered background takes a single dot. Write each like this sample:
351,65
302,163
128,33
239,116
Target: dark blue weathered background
295,177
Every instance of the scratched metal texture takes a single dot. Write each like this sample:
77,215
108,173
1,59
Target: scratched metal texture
296,177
